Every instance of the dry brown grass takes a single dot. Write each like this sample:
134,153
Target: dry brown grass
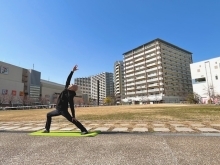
149,112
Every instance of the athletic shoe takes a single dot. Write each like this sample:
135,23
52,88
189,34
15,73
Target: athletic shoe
46,131
84,132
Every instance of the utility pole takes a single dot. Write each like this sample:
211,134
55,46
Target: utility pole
98,92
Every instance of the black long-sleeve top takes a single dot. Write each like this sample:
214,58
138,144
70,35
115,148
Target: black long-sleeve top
65,97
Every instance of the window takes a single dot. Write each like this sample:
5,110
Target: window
198,70
200,79
216,77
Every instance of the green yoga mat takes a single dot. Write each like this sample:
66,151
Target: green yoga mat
65,133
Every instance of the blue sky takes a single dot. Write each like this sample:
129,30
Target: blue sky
54,35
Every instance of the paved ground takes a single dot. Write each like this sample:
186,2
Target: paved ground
158,143
118,126
19,148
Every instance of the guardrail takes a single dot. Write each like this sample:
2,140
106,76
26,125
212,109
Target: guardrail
28,107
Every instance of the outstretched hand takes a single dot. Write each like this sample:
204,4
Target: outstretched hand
75,68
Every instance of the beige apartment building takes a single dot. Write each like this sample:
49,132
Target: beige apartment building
119,81
85,86
157,71
102,86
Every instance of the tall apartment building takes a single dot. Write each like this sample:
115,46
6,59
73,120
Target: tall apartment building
206,79
119,81
157,71
106,86
85,85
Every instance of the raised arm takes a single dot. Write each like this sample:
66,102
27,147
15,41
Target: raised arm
69,79
70,76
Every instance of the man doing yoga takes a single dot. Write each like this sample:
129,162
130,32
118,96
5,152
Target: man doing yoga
65,97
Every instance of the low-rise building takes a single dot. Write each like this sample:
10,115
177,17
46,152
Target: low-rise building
206,79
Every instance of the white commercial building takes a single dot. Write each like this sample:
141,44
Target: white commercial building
206,79
25,86
11,83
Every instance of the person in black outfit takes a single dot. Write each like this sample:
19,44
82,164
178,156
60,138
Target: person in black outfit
65,97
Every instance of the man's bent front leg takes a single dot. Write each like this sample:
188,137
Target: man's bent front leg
49,118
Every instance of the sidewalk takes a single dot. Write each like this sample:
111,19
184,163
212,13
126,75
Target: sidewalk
117,126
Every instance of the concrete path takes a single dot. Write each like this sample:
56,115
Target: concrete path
117,126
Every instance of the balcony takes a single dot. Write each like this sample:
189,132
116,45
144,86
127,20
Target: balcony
154,74
156,90
141,87
139,55
140,77
130,80
151,50
128,59
129,66
130,88
141,82
140,64
150,56
130,75
155,84
129,84
139,72
130,93
151,60
129,71
152,69
143,91
152,64
155,79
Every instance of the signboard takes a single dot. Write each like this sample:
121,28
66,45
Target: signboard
3,70
21,93
4,91
13,92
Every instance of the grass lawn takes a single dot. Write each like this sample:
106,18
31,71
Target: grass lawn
149,112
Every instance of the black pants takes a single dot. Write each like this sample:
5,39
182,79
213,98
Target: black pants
66,115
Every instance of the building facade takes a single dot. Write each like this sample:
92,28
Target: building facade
50,91
102,85
206,79
85,85
25,86
11,83
119,81
157,71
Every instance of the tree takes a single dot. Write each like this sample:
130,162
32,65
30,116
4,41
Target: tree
28,100
193,98
3,99
108,100
212,94
20,99
43,100
78,100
